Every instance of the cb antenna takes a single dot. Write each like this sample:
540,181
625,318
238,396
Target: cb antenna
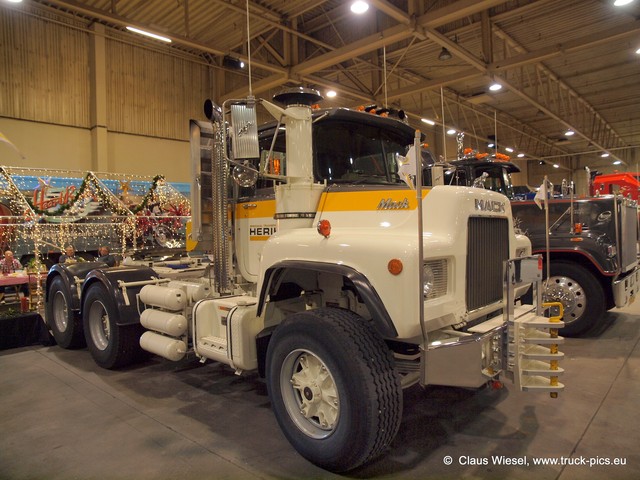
249,51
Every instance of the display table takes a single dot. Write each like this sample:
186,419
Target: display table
12,279
24,330
19,279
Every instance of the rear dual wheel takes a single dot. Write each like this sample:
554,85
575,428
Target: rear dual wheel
111,345
64,323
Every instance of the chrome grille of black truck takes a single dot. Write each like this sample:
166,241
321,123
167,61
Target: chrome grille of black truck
628,237
487,249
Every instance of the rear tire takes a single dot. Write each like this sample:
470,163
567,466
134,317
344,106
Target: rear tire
333,388
111,345
64,323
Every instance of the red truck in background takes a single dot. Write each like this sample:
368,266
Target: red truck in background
628,182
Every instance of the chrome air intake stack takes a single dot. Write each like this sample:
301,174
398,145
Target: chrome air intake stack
219,179
297,200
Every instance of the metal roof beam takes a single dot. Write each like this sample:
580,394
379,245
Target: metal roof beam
179,39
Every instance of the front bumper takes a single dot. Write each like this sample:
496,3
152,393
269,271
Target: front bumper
626,287
466,362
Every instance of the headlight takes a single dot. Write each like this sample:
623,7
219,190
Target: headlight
435,278
428,278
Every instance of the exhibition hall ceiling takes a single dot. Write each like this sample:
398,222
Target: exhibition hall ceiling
562,64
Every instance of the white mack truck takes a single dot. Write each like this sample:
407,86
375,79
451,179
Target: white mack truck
329,275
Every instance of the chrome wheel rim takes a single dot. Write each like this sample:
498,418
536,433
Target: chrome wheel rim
60,312
310,394
99,326
570,293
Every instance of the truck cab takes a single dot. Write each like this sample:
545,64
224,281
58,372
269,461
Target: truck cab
352,150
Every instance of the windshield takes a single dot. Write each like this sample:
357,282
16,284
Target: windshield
498,179
343,152
349,152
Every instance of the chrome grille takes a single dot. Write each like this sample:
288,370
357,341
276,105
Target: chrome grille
628,237
487,249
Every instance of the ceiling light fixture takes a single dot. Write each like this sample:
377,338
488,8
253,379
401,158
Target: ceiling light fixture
428,122
604,155
555,165
568,133
359,7
617,162
638,51
521,155
451,131
491,145
495,87
509,149
331,93
149,34
231,62
622,3
445,54
14,1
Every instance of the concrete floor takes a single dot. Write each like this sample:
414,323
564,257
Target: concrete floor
62,417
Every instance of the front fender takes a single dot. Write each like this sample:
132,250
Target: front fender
589,248
381,319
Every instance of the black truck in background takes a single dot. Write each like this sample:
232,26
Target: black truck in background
593,242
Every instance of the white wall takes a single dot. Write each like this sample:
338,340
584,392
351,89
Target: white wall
149,156
45,145
74,98
69,148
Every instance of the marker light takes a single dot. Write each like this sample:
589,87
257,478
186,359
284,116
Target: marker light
324,228
395,266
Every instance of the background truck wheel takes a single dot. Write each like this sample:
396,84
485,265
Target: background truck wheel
111,346
333,388
580,293
64,324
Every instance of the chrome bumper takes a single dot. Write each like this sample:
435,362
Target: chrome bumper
625,288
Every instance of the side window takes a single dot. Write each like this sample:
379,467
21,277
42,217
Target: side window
276,163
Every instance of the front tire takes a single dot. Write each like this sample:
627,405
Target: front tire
111,345
581,295
65,325
333,388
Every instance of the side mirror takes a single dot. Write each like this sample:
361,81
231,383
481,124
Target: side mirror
212,111
244,175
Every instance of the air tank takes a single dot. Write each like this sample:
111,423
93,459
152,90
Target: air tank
164,297
167,347
195,291
170,323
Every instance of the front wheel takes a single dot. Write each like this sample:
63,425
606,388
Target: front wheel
333,388
111,345
580,293
65,325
